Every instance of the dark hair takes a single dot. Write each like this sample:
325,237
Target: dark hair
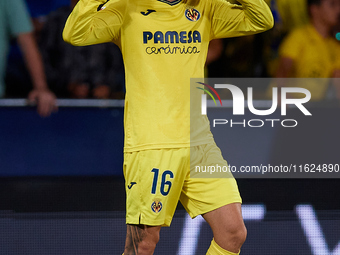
314,2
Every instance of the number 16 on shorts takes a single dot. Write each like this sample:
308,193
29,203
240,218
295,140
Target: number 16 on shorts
165,179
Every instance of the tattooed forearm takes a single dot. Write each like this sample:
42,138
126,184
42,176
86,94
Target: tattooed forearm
134,235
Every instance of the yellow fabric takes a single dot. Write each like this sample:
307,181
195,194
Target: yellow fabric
314,57
204,192
236,2
293,13
151,202
162,50
215,249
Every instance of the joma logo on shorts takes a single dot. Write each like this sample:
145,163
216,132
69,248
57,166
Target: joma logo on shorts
131,184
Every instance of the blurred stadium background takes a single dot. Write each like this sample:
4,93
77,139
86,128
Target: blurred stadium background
62,189
61,182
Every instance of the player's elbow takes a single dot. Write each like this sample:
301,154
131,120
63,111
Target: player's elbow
66,38
260,25
71,38
268,22
67,35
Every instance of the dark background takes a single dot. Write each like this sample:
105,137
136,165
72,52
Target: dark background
72,161
62,189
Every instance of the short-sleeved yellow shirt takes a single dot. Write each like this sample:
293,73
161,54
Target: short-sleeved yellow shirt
313,55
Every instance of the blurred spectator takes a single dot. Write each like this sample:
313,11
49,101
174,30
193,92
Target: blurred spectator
237,57
288,15
293,14
15,22
311,51
79,72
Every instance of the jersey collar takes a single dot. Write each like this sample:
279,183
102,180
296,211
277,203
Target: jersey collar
170,3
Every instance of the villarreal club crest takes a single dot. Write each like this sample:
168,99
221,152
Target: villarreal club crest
192,14
156,206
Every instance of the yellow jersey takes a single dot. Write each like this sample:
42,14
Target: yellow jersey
293,14
314,57
163,44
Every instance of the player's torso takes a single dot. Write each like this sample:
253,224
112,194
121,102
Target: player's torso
163,45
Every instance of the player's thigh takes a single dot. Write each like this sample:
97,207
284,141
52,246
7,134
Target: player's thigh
205,194
154,179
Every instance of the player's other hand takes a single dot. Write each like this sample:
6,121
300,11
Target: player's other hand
45,101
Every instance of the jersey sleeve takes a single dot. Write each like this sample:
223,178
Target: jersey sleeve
94,22
17,17
230,20
292,45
